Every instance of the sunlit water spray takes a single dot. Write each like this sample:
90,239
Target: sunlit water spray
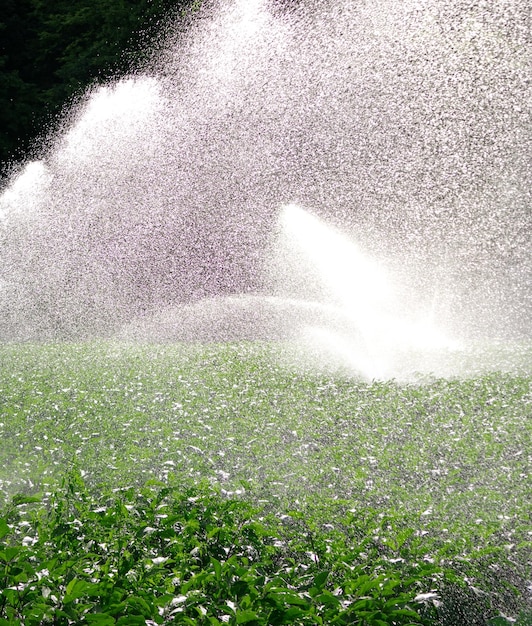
368,326
399,126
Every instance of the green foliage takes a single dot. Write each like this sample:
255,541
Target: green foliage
314,493
187,557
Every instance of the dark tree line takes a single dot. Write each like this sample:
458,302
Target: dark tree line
52,51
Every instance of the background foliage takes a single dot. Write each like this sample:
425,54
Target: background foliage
52,51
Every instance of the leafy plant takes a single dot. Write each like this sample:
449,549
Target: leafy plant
305,485
187,557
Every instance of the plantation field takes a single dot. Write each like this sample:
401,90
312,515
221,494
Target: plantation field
436,474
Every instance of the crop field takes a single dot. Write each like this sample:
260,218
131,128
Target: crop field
344,502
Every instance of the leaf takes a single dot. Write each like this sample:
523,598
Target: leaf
389,586
164,599
320,579
217,568
396,602
4,528
327,598
70,586
296,514
286,596
139,606
246,616
100,619
365,584
131,620
153,482
292,613
13,596
21,498
364,604
76,589
215,531
10,553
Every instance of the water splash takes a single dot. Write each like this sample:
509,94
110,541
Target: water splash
402,124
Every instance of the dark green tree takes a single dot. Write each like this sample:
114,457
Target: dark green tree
18,91
50,52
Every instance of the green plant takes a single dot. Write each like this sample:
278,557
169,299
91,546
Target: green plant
187,557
